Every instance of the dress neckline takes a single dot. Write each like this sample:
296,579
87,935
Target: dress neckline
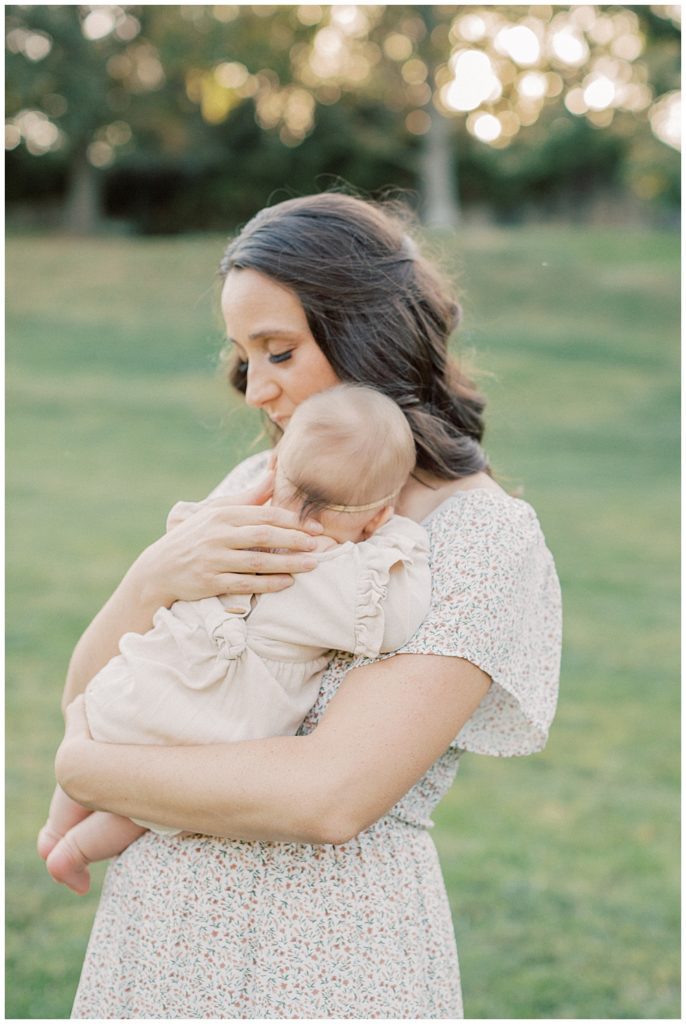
462,494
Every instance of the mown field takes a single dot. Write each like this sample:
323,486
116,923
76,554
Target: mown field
563,868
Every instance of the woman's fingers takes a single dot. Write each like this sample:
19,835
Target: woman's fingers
182,511
270,538
231,513
236,583
244,561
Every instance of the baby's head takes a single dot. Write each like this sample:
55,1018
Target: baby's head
344,458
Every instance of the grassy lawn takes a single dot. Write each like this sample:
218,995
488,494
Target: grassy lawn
563,868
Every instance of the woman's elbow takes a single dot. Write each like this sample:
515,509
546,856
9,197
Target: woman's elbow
336,820
331,830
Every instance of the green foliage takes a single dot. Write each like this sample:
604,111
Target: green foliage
173,149
562,869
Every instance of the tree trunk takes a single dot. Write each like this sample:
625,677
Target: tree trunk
84,202
438,178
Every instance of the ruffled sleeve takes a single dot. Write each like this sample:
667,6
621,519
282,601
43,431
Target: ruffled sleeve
361,598
496,603
393,587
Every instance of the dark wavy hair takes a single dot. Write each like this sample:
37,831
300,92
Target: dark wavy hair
378,309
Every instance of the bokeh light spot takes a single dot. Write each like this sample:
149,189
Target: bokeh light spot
474,81
569,47
100,154
575,102
470,27
520,43
533,85
418,122
309,14
98,23
665,119
397,46
37,45
599,92
486,127
12,136
231,75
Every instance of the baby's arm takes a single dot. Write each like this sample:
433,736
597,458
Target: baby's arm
364,598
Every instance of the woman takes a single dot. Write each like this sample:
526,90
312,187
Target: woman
312,888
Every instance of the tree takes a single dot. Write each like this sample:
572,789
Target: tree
150,89
495,68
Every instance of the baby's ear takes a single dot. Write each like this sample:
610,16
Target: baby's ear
377,521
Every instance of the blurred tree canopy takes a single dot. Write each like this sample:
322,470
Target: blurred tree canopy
190,117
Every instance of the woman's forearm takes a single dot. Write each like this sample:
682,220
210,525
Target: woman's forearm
386,725
252,789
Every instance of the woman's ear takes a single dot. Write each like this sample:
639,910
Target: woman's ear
377,521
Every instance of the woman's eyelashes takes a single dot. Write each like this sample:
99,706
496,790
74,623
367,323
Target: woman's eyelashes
273,357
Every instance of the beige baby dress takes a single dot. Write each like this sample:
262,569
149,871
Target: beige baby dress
244,667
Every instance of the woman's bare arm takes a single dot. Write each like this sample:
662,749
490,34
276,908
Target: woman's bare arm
381,732
211,552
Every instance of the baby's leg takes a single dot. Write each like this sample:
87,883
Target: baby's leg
97,837
64,813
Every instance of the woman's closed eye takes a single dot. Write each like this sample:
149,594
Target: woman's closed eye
275,357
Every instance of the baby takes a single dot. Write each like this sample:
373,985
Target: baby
244,666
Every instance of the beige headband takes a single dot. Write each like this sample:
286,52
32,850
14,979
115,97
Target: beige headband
363,508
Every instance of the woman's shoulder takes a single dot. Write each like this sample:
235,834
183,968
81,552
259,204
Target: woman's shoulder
484,526
243,475
496,603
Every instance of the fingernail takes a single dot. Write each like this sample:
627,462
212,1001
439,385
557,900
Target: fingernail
313,526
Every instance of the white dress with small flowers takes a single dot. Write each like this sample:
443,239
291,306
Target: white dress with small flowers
200,927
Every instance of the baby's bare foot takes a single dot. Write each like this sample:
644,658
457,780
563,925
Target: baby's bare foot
67,864
48,838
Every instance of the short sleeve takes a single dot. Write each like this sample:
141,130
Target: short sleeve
243,475
496,603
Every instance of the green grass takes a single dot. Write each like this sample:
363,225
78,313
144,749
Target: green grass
562,869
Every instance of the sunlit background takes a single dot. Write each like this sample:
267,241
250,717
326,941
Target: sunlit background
115,113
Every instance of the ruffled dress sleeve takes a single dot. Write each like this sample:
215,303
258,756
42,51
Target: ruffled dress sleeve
364,598
496,603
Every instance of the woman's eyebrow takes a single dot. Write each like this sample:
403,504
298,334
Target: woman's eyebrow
272,332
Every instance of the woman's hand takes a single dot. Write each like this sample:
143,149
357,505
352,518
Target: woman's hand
225,545
215,547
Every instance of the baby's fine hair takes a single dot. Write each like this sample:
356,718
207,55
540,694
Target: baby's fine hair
348,446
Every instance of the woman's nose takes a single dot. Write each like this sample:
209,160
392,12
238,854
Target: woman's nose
260,387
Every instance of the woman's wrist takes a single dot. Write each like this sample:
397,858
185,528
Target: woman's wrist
144,585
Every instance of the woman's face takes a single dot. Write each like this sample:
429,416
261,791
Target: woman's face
267,324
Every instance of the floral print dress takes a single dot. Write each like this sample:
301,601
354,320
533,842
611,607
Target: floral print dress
198,927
